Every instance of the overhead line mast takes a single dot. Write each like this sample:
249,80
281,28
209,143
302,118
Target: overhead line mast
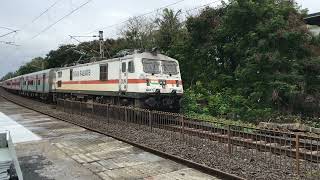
101,41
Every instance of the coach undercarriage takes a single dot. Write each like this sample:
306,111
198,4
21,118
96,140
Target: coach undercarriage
163,102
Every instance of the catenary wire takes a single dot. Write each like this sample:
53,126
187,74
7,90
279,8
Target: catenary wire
1,27
65,16
41,14
186,11
6,34
141,15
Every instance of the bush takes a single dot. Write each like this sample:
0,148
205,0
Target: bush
224,105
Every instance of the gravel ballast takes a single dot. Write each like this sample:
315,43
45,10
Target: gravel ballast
246,163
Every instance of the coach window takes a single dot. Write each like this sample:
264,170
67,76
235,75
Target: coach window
39,82
103,72
71,71
131,67
59,74
124,67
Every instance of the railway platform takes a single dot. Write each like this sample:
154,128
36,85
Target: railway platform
48,148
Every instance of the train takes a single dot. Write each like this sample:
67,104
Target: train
141,79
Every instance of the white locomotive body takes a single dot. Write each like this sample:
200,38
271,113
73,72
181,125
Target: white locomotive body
143,80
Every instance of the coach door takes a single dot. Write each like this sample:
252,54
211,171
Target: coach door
21,83
43,82
36,83
123,81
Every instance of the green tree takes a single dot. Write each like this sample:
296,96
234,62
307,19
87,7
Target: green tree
169,29
36,64
8,76
139,33
64,55
251,56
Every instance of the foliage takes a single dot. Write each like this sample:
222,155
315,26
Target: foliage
253,58
36,64
8,76
139,32
65,54
169,29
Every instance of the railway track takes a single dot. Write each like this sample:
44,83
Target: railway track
275,150
297,146
284,143
261,142
200,167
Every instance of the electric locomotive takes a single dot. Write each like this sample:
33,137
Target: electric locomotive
140,79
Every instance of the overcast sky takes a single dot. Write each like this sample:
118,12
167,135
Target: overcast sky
18,14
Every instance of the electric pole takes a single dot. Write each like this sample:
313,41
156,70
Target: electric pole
101,44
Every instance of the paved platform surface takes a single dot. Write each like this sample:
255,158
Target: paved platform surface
59,150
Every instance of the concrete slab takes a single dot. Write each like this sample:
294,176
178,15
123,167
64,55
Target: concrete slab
18,132
5,155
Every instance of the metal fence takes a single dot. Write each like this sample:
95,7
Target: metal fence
297,153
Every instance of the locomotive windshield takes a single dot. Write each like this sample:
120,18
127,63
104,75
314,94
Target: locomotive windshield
169,67
151,66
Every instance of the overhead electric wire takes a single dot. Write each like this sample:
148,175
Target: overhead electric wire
65,16
141,15
3,35
42,13
36,18
1,27
186,11
199,7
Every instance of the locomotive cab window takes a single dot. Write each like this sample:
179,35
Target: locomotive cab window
169,67
131,67
71,72
124,67
151,66
104,72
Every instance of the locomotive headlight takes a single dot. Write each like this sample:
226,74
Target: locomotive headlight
142,76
